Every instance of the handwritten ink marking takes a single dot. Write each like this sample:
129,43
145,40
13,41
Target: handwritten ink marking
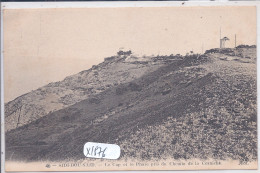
98,151
101,150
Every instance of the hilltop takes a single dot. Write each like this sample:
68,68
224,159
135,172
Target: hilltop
114,71
182,107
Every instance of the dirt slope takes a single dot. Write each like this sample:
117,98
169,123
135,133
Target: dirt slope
55,96
196,107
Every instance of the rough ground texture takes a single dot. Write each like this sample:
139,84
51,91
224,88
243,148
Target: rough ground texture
55,96
198,106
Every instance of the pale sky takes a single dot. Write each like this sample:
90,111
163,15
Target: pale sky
46,45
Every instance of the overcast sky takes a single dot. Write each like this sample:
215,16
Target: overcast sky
46,45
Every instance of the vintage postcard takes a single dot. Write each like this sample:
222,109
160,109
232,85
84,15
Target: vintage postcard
130,88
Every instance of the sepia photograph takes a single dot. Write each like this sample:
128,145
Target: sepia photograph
130,88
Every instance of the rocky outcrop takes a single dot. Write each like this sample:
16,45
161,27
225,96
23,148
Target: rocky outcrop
113,71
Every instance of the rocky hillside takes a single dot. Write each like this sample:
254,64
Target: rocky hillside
197,106
113,71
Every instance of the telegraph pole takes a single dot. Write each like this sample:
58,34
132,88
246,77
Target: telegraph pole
235,45
235,40
220,44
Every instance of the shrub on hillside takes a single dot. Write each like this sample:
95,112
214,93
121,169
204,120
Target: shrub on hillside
127,53
246,46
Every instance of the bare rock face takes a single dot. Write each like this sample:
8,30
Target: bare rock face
113,71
